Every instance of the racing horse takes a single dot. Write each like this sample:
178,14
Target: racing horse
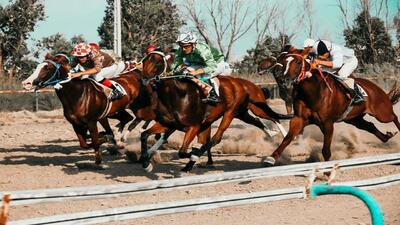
285,83
179,107
84,103
321,100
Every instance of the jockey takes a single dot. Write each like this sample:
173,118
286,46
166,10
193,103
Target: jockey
151,48
97,64
340,59
202,62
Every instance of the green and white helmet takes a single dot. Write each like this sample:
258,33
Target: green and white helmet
186,38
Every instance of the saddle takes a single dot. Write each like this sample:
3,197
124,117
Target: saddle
104,89
359,92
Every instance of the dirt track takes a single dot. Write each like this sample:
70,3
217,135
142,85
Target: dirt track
39,150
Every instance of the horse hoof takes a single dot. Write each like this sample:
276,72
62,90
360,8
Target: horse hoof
98,161
149,168
269,161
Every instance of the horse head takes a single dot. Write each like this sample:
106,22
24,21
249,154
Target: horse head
268,64
154,65
52,70
294,66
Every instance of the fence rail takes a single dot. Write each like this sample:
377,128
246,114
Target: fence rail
101,191
147,210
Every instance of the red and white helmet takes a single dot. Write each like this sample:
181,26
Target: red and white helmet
151,48
82,49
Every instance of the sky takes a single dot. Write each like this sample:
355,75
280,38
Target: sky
74,17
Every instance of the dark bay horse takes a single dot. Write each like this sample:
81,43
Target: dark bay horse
285,83
319,99
85,103
179,107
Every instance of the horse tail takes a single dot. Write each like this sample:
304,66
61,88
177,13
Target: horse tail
394,94
271,113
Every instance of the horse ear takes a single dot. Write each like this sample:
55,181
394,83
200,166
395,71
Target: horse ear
48,56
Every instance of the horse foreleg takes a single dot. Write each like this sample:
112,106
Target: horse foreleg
95,140
106,125
81,134
189,136
225,122
289,107
203,138
145,156
124,118
327,130
362,124
296,125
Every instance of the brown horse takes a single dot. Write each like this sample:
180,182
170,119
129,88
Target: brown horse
321,100
179,107
85,103
285,83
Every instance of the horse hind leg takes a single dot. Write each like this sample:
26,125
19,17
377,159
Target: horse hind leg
362,124
249,119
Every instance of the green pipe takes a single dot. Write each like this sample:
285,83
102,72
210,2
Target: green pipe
372,204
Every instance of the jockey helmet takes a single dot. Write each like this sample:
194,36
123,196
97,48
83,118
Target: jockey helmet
82,49
308,43
322,48
187,38
151,48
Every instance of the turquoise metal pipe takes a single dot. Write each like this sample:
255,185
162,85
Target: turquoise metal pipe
372,204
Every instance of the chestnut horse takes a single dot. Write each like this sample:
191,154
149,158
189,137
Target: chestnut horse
321,100
84,103
285,83
179,107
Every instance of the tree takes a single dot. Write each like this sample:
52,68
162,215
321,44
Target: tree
228,21
143,22
56,43
270,46
17,20
370,40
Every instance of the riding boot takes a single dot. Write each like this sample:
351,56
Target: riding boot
212,96
116,93
357,95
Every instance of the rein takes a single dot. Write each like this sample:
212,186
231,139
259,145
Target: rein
271,67
306,73
53,79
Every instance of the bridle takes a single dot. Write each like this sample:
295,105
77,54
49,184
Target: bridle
271,67
303,72
55,77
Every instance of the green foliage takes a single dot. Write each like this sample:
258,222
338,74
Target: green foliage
144,22
270,46
56,43
17,20
370,47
